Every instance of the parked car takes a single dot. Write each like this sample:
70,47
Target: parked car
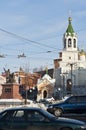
72,104
31,118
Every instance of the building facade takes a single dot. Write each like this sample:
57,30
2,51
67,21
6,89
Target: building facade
45,87
70,66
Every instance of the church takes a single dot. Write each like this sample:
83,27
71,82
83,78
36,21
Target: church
70,66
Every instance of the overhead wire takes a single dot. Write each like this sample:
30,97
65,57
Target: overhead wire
32,41
26,39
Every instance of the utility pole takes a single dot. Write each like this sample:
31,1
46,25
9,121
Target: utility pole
63,75
71,65
26,84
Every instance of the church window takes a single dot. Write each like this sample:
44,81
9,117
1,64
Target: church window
74,43
69,42
60,54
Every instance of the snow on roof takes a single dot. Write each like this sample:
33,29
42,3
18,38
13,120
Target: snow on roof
46,76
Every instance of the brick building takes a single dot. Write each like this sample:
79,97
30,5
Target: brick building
23,82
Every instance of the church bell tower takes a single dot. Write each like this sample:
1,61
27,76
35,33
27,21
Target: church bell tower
70,38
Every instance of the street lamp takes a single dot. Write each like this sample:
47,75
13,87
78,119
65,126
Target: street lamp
71,72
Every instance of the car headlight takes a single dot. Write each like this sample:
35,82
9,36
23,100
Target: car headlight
83,127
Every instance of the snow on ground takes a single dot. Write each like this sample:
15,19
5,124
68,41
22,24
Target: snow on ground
9,103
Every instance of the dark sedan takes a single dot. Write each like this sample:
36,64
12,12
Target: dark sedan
26,118
73,104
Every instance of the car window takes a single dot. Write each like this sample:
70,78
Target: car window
18,115
72,100
3,114
35,116
81,99
7,115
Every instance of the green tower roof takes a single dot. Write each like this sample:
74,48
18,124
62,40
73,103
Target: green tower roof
70,30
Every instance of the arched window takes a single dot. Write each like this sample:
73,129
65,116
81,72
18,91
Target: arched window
69,42
74,43
45,94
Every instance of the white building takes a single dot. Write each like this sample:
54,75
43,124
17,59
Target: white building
45,87
70,67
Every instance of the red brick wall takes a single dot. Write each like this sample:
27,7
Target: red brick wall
10,91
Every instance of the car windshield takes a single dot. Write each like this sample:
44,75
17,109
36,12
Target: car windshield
66,97
3,113
48,114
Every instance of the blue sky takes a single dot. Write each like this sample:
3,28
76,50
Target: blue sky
38,26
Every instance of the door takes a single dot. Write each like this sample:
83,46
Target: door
70,105
19,120
81,104
39,121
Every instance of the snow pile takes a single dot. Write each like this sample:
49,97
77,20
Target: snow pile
29,104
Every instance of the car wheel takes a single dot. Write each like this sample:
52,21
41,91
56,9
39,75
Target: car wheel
58,112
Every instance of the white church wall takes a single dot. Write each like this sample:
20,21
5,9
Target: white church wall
78,77
82,58
72,65
69,56
57,76
82,77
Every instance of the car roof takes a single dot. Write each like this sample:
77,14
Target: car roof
29,108
79,95
22,108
